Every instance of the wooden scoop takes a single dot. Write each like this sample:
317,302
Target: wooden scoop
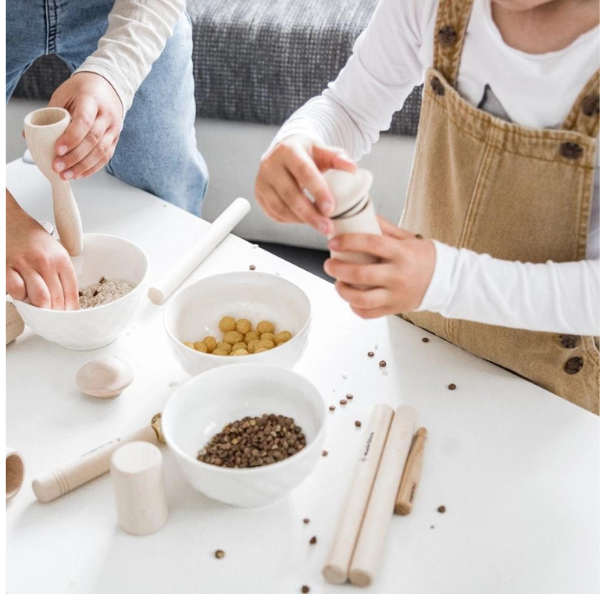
42,129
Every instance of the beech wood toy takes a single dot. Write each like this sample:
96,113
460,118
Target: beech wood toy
368,551
354,211
14,323
137,476
338,563
217,232
104,377
42,129
412,474
15,472
62,480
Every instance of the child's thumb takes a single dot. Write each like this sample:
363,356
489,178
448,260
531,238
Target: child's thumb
327,157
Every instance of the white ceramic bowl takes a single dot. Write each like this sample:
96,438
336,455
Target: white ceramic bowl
195,312
103,256
203,405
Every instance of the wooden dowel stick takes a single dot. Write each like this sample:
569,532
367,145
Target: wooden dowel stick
412,474
338,563
216,233
14,323
380,509
62,480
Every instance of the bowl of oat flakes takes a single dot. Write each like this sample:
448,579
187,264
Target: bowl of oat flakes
111,273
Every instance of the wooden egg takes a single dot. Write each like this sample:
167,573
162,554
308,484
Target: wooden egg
104,378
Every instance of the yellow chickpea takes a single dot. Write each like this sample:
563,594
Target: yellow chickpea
223,346
211,342
189,345
251,346
240,352
267,336
220,352
238,346
259,350
201,347
243,326
233,337
282,337
266,344
265,327
227,324
252,335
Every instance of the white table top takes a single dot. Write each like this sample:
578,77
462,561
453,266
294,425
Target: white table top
515,466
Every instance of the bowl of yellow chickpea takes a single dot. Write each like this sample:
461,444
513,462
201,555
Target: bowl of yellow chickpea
239,317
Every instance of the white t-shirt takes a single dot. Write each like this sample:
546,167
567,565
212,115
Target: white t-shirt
389,59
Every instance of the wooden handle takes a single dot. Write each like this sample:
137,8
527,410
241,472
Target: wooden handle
216,233
14,323
15,472
67,218
62,480
369,547
412,474
338,563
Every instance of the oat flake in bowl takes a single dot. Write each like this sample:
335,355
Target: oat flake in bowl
103,292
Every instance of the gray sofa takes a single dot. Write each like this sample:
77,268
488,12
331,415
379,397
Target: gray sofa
255,62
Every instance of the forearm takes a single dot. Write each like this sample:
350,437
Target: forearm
553,297
137,33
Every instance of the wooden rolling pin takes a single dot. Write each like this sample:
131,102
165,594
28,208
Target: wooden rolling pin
369,547
62,480
42,129
412,474
338,563
217,232
14,323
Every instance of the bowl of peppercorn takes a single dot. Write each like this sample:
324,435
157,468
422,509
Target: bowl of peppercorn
245,436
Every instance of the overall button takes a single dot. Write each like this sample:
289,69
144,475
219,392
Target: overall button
447,36
569,341
437,86
590,105
571,150
574,365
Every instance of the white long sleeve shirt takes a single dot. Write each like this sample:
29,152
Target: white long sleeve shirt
389,59
137,33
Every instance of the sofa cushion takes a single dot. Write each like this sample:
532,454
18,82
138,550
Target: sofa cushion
258,60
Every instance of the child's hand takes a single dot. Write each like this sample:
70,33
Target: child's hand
294,165
396,284
38,268
90,140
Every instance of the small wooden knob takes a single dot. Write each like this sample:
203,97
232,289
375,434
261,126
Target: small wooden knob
15,472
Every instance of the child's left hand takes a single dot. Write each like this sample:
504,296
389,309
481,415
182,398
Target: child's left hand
397,283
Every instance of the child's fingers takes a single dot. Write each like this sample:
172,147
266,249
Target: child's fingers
84,117
370,299
37,290
381,246
68,280
274,207
371,314
295,199
98,156
310,178
391,230
328,157
57,299
373,275
15,286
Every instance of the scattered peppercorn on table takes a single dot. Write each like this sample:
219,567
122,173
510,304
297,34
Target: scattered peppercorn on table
509,495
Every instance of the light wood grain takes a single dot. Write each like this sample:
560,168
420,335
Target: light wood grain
15,472
104,377
412,474
368,553
14,323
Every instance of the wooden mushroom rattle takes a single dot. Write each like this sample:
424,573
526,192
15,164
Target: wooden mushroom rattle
42,129
104,377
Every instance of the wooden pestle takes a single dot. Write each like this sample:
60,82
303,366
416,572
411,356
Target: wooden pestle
42,129
369,548
412,474
338,563
62,480
14,323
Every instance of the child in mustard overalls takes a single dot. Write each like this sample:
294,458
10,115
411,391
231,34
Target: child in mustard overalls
499,241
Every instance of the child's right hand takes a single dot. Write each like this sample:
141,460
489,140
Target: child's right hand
294,165
38,268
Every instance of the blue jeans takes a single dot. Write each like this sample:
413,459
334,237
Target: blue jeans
157,149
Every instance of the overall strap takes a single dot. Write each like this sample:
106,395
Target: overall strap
584,115
450,29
